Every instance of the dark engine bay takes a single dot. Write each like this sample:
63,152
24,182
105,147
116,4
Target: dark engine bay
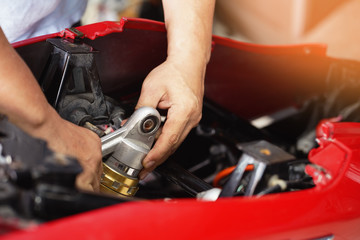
224,156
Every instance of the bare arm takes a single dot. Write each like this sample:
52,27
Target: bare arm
178,83
23,102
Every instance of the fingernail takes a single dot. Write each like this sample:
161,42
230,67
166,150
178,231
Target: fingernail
142,176
149,164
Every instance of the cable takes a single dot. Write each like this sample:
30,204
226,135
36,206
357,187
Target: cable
226,172
273,189
280,185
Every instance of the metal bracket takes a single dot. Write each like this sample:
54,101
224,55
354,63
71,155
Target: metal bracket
261,154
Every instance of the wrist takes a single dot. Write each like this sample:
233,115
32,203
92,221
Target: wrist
42,124
189,59
188,73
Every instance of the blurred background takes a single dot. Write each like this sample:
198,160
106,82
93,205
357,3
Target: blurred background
270,22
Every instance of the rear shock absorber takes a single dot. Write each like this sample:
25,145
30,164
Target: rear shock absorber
124,150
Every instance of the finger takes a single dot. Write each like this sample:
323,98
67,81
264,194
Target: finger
148,97
88,182
99,169
144,173
156,162
173,133
93,164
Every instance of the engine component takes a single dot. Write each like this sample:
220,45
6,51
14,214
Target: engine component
260,154
185,179
71,84
128,146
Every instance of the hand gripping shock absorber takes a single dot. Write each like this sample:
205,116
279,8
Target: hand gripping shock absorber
124,150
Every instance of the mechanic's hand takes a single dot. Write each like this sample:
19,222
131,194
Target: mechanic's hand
23,102
178,88
67,138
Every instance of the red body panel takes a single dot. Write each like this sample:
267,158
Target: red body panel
256,78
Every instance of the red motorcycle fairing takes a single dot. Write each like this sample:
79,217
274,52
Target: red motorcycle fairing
250,81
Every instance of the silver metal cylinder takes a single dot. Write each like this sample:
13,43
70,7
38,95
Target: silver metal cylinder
126,148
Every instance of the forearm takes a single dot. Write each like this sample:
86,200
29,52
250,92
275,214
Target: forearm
178,84
23,102
189,27
21,98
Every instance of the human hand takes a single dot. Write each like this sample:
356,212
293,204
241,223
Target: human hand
67,138
178,88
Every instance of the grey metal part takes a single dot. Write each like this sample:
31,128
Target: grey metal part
236,176
130,144
260,154
131,153
259,170
274,155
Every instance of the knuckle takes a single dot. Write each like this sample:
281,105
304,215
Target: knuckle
173,140
189,107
